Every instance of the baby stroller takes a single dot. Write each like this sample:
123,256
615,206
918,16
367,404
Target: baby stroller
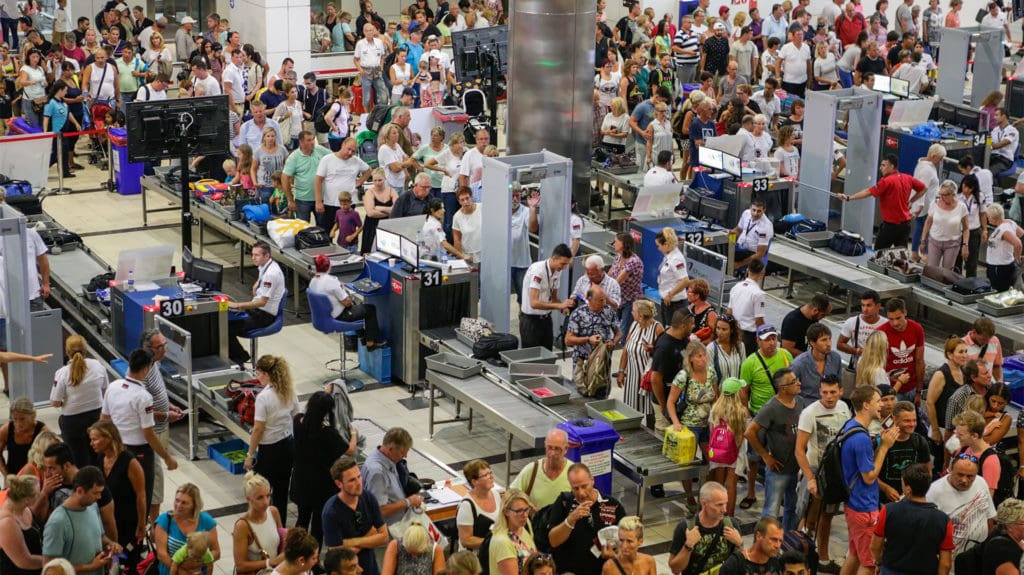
98,142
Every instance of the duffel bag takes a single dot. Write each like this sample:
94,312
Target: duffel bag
27,204
17,188
806,226
847,244
973,285
312,237
489,346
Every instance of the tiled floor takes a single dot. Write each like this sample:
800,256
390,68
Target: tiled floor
93,212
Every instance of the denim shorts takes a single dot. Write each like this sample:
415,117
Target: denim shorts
703,434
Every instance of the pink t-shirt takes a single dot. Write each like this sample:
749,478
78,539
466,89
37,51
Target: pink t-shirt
993,350
990,469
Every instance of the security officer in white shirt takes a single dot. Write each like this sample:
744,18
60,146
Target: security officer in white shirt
746,303
672,277
661,174
130,407
1004,143
540,286
262,308
753,234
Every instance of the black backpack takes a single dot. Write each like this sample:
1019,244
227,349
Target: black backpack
969,561
377,118
1007,473
832,486
312,237
319,121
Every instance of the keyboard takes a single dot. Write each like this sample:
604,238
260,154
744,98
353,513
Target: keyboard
365,285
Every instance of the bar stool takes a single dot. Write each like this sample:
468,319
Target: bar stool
324,322
255,334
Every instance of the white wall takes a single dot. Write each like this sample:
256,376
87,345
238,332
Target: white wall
277,28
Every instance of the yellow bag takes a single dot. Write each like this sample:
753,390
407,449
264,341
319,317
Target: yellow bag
679,446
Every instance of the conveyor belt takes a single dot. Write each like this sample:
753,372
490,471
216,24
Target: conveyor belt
1009,328
638,456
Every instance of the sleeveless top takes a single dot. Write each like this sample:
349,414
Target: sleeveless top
34,541
104,91
700,320
125,516
408,564
17,453
269,536
401,75
947,391
377,202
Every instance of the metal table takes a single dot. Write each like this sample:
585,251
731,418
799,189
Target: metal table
629,184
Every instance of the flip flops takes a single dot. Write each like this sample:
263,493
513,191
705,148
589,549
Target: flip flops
747,502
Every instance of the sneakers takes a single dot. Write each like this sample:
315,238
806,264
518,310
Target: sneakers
661,423
830,567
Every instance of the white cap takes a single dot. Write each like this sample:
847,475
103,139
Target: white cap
121,7
188,20
719,26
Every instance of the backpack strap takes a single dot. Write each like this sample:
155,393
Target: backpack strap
856,340
533,477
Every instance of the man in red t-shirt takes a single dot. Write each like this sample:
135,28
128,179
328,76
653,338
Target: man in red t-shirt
849,25
906,351
894,198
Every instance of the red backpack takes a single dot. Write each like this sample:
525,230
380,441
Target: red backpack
722,448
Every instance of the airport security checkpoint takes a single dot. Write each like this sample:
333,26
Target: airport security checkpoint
659,296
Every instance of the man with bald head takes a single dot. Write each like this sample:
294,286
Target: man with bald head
592,330
964,497
545,479
850,24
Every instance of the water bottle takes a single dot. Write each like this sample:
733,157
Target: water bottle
131,280
444,257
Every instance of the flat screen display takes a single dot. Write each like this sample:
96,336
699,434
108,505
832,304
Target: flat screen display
882,84
732,165
899,87
410,252
389,243
709,158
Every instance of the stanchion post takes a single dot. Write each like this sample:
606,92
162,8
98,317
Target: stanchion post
59,147
110,163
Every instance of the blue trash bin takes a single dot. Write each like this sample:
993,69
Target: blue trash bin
592,442
127,176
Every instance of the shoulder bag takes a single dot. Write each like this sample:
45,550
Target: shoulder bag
263,553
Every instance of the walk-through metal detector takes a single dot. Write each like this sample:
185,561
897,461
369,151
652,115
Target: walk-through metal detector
501,176
863,111
987,63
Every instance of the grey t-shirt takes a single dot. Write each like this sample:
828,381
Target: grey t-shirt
903,15
780,424
267,163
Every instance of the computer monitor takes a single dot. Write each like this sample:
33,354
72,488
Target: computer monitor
882,84
208,274
732,165
186,262
709,158
946,112
899,87
714,210
410,252
955,176
691,201
968,119
389,243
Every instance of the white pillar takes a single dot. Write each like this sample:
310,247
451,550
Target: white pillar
277,28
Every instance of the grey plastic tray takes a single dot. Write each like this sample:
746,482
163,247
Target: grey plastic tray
522,370
454,365
935,285
963,298
815,239
999,311
559,393
529,354
631,420
877,268
902,277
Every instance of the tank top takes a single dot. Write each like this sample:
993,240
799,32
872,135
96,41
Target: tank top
268,536
700,320
125,516
34,542
401,75
386,204
947,391
17,453
409,564
104,90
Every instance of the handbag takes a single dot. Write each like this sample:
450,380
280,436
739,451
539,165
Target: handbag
39,104
242,401
263,552
645,380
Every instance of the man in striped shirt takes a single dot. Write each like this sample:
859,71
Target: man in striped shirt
686,51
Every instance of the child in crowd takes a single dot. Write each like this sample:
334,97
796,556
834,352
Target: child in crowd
278,201
787,154
222,31
770,57
244,176
727,414
347,222
431,90
196,550
231,169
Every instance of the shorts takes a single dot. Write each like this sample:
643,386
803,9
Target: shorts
158,472
703,434
861,525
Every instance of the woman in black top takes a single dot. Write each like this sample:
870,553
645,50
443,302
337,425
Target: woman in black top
21,536
18,435
127,484
318,444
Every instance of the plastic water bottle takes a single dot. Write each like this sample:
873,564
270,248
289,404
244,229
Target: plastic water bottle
131,280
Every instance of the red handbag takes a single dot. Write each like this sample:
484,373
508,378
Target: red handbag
243,399
645,380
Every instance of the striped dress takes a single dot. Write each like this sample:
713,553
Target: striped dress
638,361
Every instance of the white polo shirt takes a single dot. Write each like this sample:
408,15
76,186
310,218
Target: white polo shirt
984,182
658,176
575,227
330,286
1008,133
233,74
271,285
746,300
541,277
754,233
130,408
369,54
670,273
432,234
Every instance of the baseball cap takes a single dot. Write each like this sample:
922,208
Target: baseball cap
719,26
409,92
886,390
415,27
723,10
432,37
767,330
732,385
122,7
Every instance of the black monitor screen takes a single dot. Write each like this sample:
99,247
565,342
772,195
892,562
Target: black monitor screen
208,274
946,112
691,201
164,129
968,119
714,210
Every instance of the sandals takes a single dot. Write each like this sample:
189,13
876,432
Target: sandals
747,502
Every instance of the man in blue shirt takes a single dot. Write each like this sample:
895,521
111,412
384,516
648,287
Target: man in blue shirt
642,117
861,466
415,46
775,25
352,520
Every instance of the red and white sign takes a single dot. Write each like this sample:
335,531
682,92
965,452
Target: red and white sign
396,286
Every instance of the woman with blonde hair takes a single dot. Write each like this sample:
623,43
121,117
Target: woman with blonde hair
392,157
464,563
628,558
512,537
158,56
1002,551
377,201
615,126
414,553
36,453
21,536
257,534
871,365
637,352
272,429
17,436
58,567
77,391
728,412
172,528
697,385
127,485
